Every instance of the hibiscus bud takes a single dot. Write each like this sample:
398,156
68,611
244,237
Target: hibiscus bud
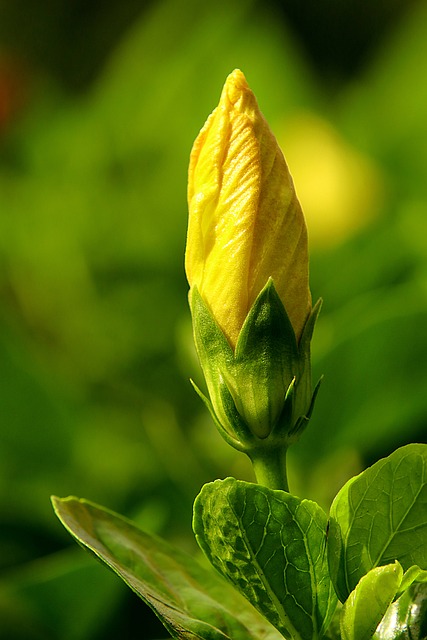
247,266
245,222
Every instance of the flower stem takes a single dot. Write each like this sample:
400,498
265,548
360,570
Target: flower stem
270,468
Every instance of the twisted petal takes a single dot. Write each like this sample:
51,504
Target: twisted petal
245,222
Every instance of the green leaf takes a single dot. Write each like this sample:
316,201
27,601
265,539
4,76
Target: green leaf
192,602
413,574
406,619
366,605
271,546
378,517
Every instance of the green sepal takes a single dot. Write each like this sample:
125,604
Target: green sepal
216,356
261,393
265,361
285,417
307,333
304,372
302,422
234,442
211,343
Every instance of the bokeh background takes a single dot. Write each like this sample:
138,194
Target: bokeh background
99,105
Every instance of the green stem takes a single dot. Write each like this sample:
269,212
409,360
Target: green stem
270,467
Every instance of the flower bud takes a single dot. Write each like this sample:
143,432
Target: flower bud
247,265
245,222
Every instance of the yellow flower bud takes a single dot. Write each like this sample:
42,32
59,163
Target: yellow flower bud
245,221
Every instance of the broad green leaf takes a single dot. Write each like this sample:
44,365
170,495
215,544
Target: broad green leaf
378,517
366,605
406,619
192,602
271,546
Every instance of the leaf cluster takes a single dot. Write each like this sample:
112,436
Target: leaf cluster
284,564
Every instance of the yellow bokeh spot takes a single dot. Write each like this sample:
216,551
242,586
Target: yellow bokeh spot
339,188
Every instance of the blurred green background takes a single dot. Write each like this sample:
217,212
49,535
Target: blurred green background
99,106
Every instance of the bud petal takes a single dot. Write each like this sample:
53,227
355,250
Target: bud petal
245,222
